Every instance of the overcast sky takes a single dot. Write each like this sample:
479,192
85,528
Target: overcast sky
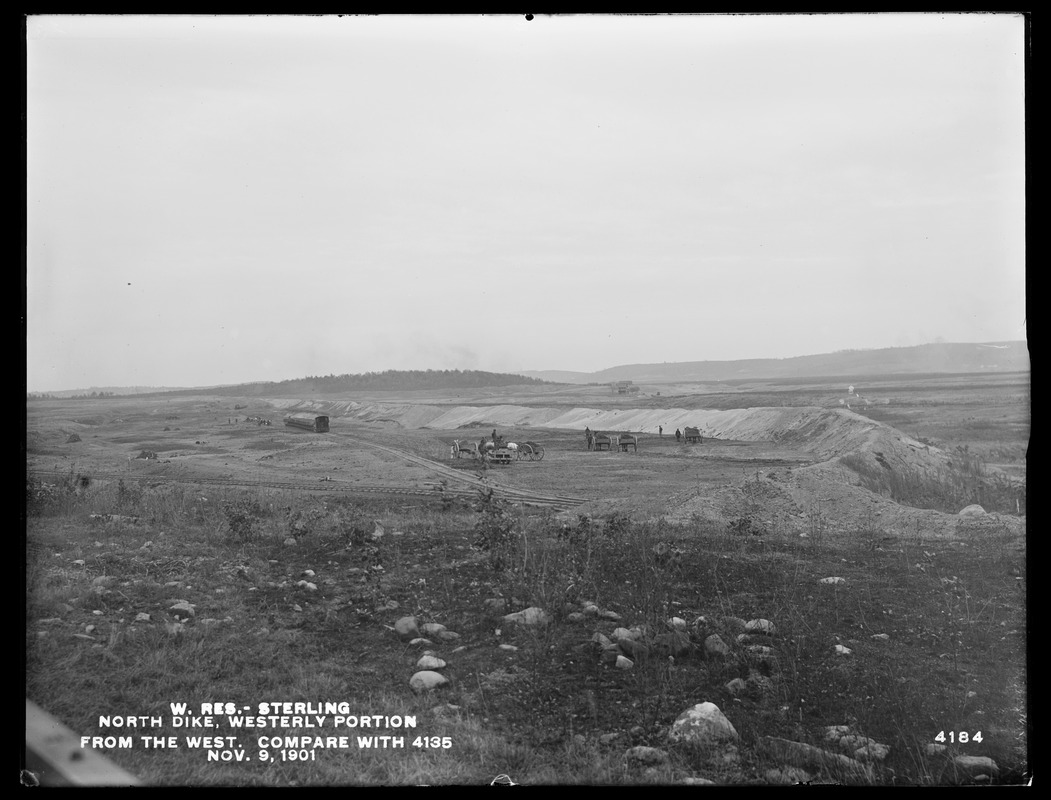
228,199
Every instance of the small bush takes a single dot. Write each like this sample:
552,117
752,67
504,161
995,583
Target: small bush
241,517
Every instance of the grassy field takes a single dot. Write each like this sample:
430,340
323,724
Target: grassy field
295,595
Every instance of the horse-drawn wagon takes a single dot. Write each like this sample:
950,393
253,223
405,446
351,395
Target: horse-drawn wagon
603,441
626,440
469,449
531,450
692,435
503,455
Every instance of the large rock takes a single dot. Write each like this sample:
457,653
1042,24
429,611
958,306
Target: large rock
714,646
703,724
430,662
530,616
760,626
798,754
406,628
650,756
970,767
426,680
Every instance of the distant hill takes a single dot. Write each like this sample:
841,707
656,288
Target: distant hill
925,358
101,391
389,380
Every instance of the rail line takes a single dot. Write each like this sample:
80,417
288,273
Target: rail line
431,490
477,483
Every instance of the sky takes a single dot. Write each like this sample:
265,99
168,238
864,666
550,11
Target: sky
217,200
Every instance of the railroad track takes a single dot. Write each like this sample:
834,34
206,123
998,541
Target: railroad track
476,483
432,490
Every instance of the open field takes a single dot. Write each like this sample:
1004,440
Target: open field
298,552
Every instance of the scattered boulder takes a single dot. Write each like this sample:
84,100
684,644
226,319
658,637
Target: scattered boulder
833,581
73,437
702,724
624,663
495,605
787,775
972,767
406,628
183,610
872,752
432,628
530,616
648,756
676,644
973,510
736,687
798,754
760,626
637,650
428,661
426,680
714,646
601,639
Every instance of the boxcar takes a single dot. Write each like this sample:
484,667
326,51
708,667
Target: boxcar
318,423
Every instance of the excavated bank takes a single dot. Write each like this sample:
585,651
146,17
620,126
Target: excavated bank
828,496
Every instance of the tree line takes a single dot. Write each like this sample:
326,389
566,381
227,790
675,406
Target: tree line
396,380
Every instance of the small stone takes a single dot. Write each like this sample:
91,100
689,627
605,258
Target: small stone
736,687
529,617
406,627
760,626
182,610
426,680
714,646
649,756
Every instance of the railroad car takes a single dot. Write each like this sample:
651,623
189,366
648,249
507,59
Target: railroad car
308,421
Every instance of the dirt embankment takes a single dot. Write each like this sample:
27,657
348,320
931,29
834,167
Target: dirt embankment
827,495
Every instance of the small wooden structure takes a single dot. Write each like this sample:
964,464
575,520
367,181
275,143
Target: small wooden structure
307,420
692,435
626,440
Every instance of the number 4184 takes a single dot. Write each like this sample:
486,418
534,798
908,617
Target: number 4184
958,736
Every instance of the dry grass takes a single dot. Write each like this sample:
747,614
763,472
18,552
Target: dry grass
954,613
